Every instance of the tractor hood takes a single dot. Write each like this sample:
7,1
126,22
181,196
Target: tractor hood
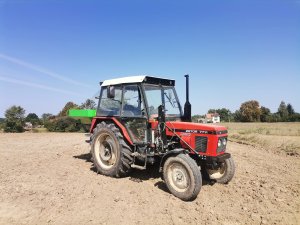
187,127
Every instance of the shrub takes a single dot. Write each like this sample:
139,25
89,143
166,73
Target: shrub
13,126
63,124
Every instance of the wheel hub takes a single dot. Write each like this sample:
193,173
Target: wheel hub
105,152
179,178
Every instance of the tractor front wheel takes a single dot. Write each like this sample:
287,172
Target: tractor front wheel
182,177
224,173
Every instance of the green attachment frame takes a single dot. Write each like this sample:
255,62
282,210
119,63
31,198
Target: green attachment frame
84,115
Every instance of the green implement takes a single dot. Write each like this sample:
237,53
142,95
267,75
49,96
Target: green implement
84,115
90,113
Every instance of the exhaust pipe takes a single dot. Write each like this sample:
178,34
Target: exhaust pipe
187,106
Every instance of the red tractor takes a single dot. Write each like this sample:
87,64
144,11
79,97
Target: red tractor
139,121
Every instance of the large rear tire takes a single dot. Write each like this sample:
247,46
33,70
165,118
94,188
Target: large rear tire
224,173
182,177
110,153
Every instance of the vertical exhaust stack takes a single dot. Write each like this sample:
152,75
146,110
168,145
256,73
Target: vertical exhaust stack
187,106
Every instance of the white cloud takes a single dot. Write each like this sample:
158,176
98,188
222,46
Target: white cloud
44,87
41,70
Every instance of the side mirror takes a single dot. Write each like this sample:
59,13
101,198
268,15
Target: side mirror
110,92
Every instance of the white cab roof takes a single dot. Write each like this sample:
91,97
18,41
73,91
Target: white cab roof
124,80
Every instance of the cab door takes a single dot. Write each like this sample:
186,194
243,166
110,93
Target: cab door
133,113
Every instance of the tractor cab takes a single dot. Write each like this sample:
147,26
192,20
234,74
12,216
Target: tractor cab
139,98
135,102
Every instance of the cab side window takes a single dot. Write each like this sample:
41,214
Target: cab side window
110,106
132,102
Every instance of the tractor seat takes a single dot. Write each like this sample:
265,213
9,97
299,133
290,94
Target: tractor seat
127,113
130,110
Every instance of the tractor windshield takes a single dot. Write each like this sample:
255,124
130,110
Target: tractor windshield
156,95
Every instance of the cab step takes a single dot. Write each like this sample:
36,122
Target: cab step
138,167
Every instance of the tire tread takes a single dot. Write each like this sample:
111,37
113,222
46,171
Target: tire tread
125,161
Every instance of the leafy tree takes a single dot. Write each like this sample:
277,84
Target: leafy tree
14,119
225,114
294,117
237,116
46,116
88,104
265,114
15,113
33,119
61,122
66,108
275,117
290,109
250,111
2,121
282,110
196,117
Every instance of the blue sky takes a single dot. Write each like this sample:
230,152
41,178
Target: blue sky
52,52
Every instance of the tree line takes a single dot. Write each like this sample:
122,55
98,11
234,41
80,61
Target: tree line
251,111
16,121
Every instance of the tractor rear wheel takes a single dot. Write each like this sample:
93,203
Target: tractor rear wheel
182,177
110,153
224,173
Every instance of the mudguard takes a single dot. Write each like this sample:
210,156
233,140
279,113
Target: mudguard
97,120
173,152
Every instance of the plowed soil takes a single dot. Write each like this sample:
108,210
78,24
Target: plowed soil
48,178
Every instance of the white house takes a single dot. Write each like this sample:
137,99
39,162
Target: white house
210,118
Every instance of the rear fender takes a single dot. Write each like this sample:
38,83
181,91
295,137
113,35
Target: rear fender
122,128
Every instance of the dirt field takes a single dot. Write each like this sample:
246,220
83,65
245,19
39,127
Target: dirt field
47,178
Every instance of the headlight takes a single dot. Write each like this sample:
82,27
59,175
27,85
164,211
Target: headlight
219,143
222,142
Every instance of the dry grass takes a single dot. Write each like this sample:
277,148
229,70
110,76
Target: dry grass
39,130
281,137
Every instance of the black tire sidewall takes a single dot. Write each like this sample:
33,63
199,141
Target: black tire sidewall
229,172
193,173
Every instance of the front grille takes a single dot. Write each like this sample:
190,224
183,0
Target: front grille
200,144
